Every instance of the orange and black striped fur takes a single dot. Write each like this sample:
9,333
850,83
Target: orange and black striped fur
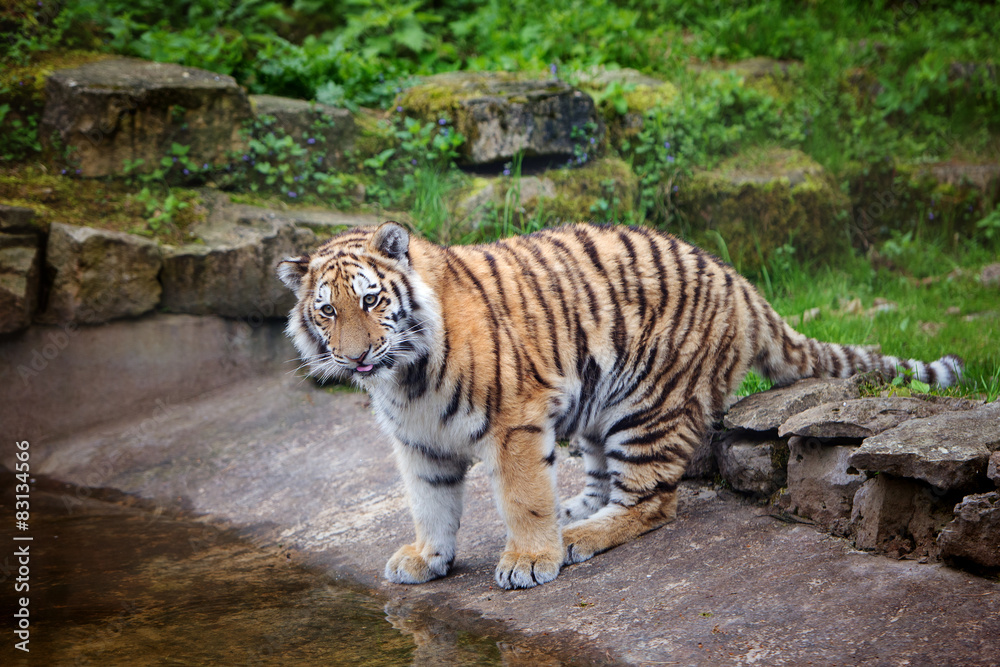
626,339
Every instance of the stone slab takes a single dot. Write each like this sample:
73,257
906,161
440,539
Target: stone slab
119,109
286,463
822,482
768,410
950,451
864,417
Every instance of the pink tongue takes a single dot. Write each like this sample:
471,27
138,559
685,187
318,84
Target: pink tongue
363,369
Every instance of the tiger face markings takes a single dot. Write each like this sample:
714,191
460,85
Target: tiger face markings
627,340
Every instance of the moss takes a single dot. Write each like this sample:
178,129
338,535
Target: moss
375,134
108,204
943,200
579,192
760,201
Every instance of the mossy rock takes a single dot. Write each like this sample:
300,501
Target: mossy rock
762,200
623,97
776,78
320,129
603,190
501,114
945,198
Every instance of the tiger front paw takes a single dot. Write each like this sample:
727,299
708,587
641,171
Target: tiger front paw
522,570
410,566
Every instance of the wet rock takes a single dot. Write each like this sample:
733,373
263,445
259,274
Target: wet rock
864,417
900,517
822,482
758,200
503,113
231,272
750,463
993,468
331,129
768,410
120,109
974,535
99,275
19,273
950,450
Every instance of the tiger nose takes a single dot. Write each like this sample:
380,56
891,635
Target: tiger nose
357,359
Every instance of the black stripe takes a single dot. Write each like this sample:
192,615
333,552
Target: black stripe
433,454
456,399
443,480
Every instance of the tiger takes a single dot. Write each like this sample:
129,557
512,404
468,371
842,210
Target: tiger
624,340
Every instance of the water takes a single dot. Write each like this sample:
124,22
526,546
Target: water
115,581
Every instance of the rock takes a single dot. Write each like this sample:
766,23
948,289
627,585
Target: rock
974,535
750,463
18,220
950,450
768,410
99,275
332,129
624,96
760,199
822,482
503,113
602,188
899,517
993,468
231,271
120,109
948,197
864,417
19,272
990,275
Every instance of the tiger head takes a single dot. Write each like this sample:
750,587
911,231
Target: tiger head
362,308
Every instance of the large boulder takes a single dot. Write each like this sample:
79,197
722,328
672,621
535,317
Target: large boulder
864,417
318,128
974,535
768,410
900,517
758,201
99,275
504,113
19,273
231,270
822,482
949,451
110,111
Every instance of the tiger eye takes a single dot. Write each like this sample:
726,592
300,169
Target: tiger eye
327,310
370,299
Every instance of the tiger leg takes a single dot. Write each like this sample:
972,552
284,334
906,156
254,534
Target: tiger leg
645,468
434,483
523,472
596,493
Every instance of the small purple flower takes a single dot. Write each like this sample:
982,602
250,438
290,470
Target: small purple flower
552,68
204,166
78,171
442,121
292,193
296,179
186,172
63,171
930,215
413,161
593,140
670,158
666,144
246,158
676,188
399,109
506,172
319,159
311,140
175,159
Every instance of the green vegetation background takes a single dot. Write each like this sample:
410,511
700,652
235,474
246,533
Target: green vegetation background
870,83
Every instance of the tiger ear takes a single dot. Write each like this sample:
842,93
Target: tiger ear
391,240
292,269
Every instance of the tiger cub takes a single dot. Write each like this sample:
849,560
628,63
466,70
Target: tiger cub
625,339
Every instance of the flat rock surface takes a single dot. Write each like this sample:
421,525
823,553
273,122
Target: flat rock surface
950,450
770,409
284,462
865,417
